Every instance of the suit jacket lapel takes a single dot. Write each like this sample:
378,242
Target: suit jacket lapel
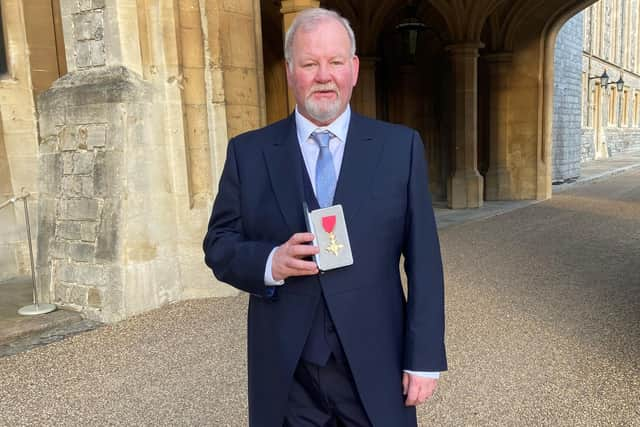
361,157
284,163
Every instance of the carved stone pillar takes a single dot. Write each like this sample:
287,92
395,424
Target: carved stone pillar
466,184
498,179
289,10
108,232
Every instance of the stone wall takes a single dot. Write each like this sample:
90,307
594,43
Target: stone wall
567,101
620,140
587,151
122,221
107,230
87,32
18,142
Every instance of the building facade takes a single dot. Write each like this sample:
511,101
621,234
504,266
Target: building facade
611,117
592,121
567,101
115,116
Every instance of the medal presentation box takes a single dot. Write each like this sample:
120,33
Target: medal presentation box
330,230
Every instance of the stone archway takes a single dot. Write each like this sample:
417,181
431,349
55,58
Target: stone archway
551,30
275,78
519,57
416,90
387,89
498,105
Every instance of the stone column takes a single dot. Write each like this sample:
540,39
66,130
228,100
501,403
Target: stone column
107,218
289,10
101,33
364,94
194,105
498,179
466,184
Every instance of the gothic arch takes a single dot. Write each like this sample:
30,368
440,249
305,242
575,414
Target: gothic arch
550,32
465,18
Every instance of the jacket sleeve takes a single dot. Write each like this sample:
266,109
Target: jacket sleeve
234,258
424,333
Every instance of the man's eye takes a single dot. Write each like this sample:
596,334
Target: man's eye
337,63
308,65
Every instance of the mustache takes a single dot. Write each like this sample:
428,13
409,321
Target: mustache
324,88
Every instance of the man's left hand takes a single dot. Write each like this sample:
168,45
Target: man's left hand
417,389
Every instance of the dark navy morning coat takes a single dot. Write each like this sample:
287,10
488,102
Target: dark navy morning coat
383,189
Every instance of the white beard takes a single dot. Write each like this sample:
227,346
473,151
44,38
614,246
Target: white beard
323,111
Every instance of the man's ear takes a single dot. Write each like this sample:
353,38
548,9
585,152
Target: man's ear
287,70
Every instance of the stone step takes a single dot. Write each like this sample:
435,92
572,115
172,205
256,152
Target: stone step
24,334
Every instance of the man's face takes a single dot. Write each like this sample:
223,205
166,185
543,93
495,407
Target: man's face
322,72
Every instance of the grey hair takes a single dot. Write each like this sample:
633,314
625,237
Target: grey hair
308,19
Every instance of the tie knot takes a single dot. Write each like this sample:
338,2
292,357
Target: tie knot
322,138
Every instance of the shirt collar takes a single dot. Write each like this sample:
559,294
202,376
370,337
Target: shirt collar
339,127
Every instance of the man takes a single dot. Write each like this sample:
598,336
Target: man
339,347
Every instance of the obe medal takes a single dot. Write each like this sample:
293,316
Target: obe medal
330,235
328,224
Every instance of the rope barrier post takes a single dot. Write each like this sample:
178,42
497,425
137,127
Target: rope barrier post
36,308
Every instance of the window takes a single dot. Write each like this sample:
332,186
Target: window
626,58
613,98
598,106
636,109
615,31
586,101
634,43
624,110
3,56
594,108
597,34
588,30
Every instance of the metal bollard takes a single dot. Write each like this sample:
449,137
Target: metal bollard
36,307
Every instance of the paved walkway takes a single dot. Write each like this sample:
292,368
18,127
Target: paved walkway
543,308
590,172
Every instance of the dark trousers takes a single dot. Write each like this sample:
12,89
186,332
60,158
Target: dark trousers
324,396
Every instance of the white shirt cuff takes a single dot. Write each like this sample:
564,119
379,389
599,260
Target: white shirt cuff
434,375
268,276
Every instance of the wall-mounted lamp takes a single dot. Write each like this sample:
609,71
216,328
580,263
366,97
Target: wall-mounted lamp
410,28
604,78
604,81
619,84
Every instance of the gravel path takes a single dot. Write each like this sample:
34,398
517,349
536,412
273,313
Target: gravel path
543,328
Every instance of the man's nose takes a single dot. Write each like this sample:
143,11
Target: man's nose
323,74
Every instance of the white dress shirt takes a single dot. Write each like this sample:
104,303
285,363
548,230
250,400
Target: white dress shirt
310,150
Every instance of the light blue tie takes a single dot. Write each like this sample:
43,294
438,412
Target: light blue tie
325,171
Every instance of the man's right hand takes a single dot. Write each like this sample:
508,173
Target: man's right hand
288,258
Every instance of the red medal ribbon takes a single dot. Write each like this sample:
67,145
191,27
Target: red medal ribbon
328,222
